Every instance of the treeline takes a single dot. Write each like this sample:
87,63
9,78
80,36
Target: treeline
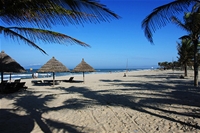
168,65
185,57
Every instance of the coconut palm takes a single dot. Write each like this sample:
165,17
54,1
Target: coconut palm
165,65
41,14
185,52
186,48
163,15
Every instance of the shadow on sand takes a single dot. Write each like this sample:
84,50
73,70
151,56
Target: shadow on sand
34,103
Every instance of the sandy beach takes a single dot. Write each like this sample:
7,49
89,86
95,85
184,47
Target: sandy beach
152,101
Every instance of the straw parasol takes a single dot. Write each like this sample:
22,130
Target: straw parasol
7,64
53,66
83,67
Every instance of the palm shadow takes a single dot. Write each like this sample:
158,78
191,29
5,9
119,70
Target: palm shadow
183,97
182,92
34,104
10,122
167,76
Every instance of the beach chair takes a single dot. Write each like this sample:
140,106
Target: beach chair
36,82
56,82
17,80
21,85
48,81
4,81
2,86
9,88
69,80
12,87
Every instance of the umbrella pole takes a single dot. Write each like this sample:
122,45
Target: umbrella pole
83,77
1,76
10,77
53,79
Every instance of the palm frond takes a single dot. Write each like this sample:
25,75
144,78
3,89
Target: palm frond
178,22
45,13
162,15
195,8
186,37
185,51
47,36
15,36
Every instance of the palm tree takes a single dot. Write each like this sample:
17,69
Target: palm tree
176,64
186,48
163,14
165,65
160,64
41,14
185,52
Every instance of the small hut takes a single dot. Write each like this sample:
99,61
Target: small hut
53,66
83,67
7,64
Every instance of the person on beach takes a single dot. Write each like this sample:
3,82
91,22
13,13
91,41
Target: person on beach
124,75
36,75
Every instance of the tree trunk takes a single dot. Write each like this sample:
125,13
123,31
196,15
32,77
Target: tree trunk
196,65
185,70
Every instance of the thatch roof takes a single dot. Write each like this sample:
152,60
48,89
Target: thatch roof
53,65
83,67
7,64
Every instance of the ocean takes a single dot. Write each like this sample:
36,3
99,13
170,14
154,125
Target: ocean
28,73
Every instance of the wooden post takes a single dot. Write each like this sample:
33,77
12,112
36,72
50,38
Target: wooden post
83,78
1,76
53,79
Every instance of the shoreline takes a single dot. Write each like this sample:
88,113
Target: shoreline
28,74
144,101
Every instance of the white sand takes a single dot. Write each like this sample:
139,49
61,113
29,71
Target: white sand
143,102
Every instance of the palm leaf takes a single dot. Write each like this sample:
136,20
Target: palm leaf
15,36
47,36
45,13
49,12
31,35
162,15
186,37
178,22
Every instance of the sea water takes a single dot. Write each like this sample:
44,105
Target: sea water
28,74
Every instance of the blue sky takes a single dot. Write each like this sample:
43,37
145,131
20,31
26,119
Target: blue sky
112,43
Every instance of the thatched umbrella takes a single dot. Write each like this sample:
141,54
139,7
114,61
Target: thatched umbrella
53,66
7,64
83,67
